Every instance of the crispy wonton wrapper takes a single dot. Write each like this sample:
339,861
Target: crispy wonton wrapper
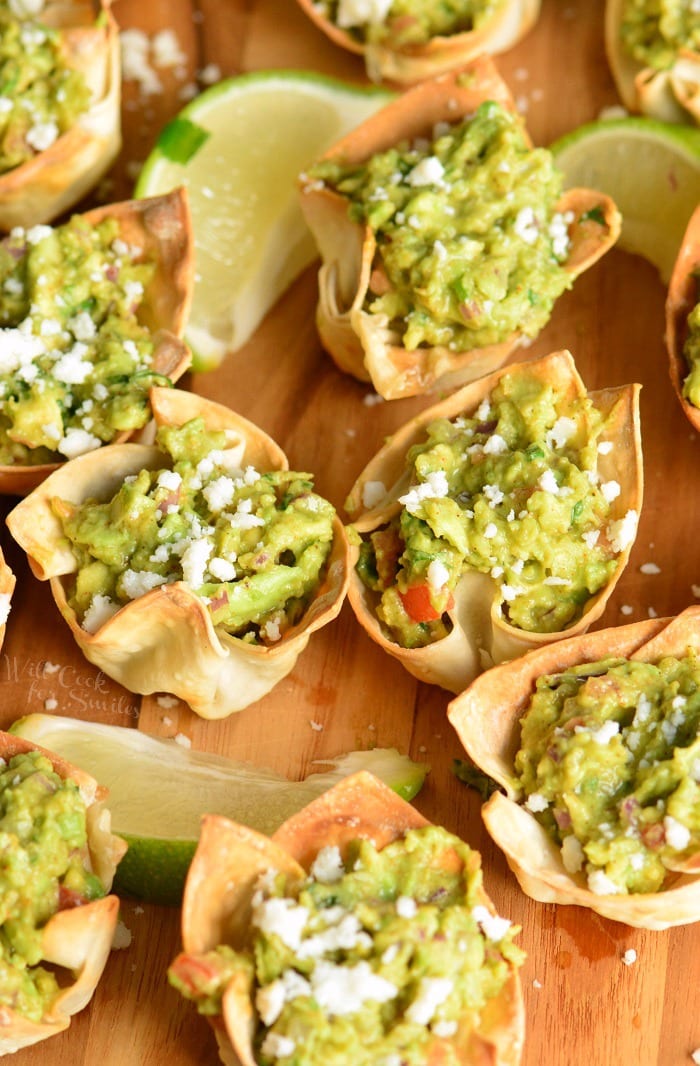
221,881
78,939
57,178
165,641
7,587
486,718
162,227
480,635
683,294
671,95
415,63
362,344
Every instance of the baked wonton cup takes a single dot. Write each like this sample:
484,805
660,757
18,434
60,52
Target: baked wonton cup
78,939
407,64
362,343
7,587
165,641
671,94
161,227
55,179
683,295
479,635
224,875
486,717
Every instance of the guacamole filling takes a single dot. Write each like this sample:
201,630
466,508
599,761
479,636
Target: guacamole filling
610,765
367,961
251,545
40,96
45,868
654,31
691,354
470,245
512,491
406,23
75,361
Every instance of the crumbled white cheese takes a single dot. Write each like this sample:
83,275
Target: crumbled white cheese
282,918
600,884
100,610
429,171
432,992
437,574
328,866
493,927
610,490
372,493
277,1046
434,487
4,607
536,802
649,568
77,442
361,12
343,989
621,533
406,907
135,583
677,834
629,957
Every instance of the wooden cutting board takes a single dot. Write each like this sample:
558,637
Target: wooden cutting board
585,1007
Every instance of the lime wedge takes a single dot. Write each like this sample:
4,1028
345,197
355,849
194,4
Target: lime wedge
651,170
239,147
159,790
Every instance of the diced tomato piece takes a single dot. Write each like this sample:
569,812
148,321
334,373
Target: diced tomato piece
194,972
69,898
418,605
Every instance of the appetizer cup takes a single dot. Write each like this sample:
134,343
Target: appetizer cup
7,587
169,638
469,605
58,176
669,89
78,931
682,331
154,234
462,329
397,49
486,717
233,870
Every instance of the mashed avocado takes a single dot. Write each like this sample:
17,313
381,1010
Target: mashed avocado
45,868
691,353
252,545
513,492
470,246
367,960
610,764
40,97
74,359
653,31
407,23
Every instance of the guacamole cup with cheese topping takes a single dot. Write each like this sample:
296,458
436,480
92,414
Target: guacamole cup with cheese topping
407,41
497,520
91,316
57,921
683,322
357,926
594,741
653,48
444,235
60,87
199,565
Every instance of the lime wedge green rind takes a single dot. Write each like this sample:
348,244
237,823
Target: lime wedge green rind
159,790
250,238
651,169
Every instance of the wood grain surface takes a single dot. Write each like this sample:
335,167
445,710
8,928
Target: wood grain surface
585,1007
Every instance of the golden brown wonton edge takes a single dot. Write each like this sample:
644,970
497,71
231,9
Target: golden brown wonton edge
681,299
54,180
360,343
163,227
671,95
7,587
456,659
486,718
407,66
221,881
78,939
164,641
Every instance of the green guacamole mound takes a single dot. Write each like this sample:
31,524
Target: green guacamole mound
40,97
252,545
365,961
691,353
610,764
470,245
45,868
74,358
654,31
407,23
511,491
